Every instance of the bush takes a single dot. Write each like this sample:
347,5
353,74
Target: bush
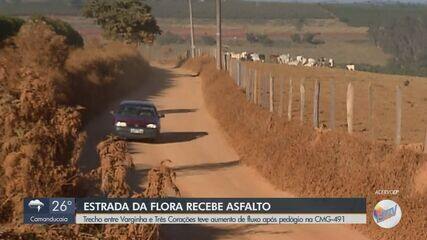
106,71
43,50
296,38
259,38
265,40
208,40
72,37
170,38
9,26
250,37
307,37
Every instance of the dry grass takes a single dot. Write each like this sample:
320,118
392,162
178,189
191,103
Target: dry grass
41,82
104,70
116,166
317,163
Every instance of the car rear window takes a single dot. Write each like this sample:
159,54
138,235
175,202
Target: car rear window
135,111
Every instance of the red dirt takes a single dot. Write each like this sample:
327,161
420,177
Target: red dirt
317,163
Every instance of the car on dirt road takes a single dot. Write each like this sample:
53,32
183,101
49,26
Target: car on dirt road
137,120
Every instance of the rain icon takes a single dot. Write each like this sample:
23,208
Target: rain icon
36,204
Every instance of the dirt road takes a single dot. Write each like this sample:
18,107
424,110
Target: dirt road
205,163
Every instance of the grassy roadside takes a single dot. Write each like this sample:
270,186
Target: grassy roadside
317,163
47,90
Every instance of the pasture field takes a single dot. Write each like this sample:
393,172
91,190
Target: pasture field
343,43
414,113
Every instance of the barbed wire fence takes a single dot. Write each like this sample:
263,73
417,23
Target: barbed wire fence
279,94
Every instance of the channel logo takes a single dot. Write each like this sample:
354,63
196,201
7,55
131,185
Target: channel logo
387,214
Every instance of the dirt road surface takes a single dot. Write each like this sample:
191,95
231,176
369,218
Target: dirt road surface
205,163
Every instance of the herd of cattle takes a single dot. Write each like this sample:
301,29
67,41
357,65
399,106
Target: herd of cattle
287,59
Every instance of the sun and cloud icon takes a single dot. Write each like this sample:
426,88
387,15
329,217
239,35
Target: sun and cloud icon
36,204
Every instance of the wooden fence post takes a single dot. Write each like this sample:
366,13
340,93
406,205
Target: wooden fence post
238,73
290,100
398,115
332,104
350,108
302,100
371,110
271,93
252,85
255,85
425,143
247,83
228,63
230,69
281,96
261,90
316,104
245,76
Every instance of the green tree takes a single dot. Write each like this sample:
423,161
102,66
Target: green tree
404,38
9,26
126,20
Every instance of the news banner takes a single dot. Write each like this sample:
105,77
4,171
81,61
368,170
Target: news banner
195,211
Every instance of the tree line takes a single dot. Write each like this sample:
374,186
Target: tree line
405,38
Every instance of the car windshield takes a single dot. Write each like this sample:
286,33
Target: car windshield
135,111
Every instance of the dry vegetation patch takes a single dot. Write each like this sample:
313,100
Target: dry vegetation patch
44,87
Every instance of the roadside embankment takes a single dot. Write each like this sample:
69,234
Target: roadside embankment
47,90
317,163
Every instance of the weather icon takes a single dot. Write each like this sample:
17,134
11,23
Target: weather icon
36,204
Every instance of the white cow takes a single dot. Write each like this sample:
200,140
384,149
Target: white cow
351,67
255,57
311,62
331,63
293,62
235,55
284,58
244,56
300,59
304,61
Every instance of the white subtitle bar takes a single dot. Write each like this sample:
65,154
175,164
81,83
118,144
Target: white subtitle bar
135,218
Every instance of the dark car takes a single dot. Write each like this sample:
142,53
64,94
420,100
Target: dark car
137,120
